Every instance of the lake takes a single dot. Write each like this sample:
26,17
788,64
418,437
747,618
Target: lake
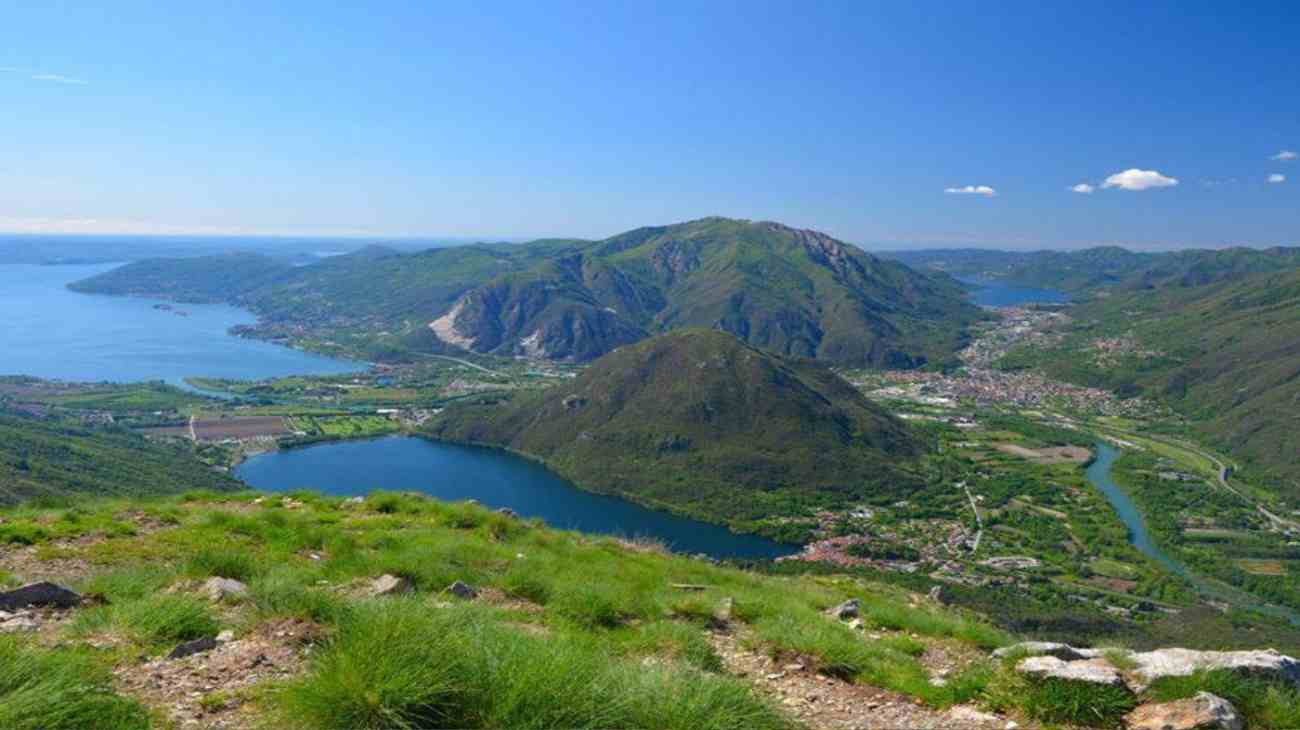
495,478
51,332
989,293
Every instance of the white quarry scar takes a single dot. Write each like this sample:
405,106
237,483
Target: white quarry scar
445,328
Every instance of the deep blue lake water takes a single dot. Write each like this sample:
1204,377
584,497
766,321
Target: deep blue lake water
1001,294
495,478
51,332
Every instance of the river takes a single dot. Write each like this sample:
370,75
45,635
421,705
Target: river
497,479
1099,473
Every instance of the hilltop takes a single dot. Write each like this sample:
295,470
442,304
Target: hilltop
700,422
795,292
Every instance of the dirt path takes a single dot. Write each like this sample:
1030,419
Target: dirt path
826,703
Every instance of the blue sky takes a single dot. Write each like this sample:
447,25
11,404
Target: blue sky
586,119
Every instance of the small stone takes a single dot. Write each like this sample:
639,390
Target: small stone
725,611
207,643
936,594
847,610
226,636
793,667
18,623
1205,711
506,511
389,585
353,501
217,588
44,594
858,624
1042,648
462,590
775,676
1011,725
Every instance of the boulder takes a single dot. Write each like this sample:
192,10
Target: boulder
1042,648
43,594
847,610
217,588
389,585
1092,671
462,590
1267,664
198,646
507,512
1202,712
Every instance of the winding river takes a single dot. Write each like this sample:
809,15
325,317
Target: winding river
1099,473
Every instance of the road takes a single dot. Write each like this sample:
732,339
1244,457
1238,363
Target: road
466,363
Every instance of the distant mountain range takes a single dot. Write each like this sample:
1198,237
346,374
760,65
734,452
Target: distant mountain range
795,292
1102,267
698,422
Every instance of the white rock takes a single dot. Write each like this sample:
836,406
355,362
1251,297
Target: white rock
1094,671
217,588
1042,648
226,636
1202,712
1153,665
389,585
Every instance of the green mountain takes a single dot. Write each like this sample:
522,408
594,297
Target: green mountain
699,422
50,458
1226,354
796,292
1105,267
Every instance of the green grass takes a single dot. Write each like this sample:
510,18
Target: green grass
593,620
43,689
1058,701
1263,704
394,664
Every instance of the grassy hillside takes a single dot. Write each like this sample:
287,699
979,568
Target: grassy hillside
699,422
795,292
561,630
52,458
1227,355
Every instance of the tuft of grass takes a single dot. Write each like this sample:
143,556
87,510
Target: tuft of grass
1263,704
1059,701
286,591
395,664
60,689
165,619
226,562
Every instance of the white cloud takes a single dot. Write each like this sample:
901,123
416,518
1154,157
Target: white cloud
1276,178
984,190
1084,188
1135,179
59,79
37,76
1284,156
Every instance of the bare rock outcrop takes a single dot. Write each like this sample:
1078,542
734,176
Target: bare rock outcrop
1205,711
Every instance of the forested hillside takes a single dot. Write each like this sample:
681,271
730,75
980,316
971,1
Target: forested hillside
699,422
795,292
55,458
